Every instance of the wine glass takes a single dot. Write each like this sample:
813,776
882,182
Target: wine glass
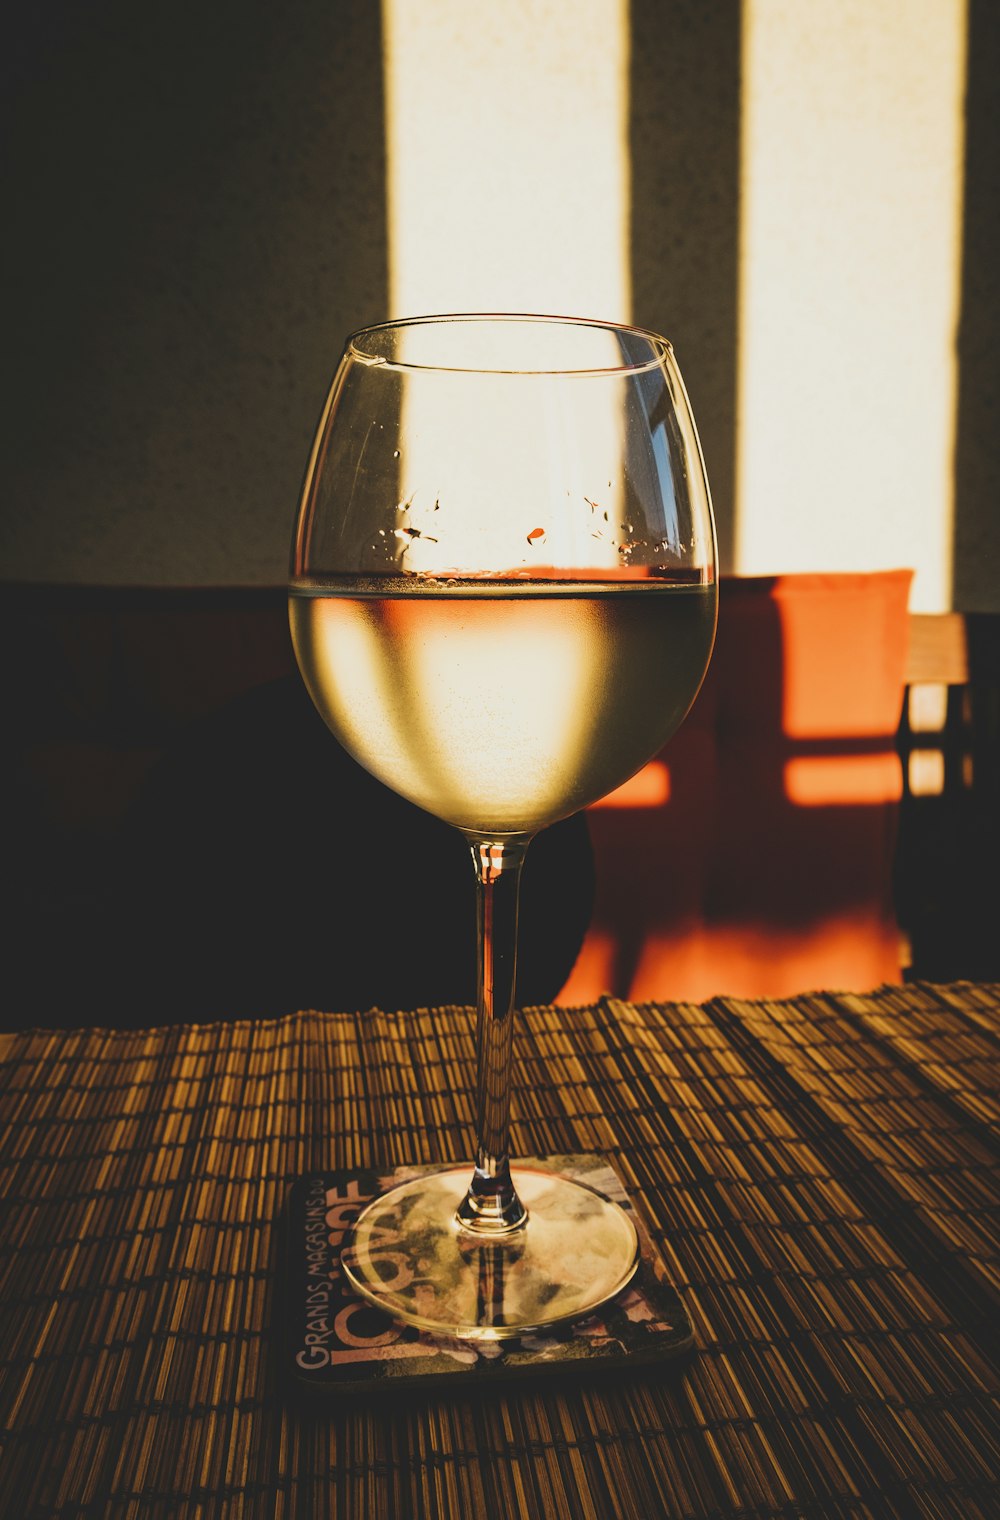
503,601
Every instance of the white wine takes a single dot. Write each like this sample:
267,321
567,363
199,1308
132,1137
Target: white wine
502,706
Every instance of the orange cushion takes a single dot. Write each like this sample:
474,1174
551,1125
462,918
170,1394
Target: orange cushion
753,857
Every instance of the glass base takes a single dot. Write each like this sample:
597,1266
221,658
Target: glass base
409,1255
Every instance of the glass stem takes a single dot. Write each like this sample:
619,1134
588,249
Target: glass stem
491,1206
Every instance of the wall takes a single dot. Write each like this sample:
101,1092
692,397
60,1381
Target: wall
199,199
204,199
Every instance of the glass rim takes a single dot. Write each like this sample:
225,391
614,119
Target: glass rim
354,345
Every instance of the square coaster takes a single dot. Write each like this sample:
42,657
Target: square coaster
335,1342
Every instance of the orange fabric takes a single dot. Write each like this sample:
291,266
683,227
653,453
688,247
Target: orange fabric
765,867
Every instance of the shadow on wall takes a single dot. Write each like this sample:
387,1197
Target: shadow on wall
684,144
195,212
976,564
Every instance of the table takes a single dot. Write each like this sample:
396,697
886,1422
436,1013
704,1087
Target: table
820,1175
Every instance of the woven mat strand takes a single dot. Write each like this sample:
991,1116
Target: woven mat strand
821,1176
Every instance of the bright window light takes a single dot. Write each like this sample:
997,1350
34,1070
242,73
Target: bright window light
850,265
507,156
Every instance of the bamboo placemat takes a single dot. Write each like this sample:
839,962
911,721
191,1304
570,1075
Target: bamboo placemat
820,1176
